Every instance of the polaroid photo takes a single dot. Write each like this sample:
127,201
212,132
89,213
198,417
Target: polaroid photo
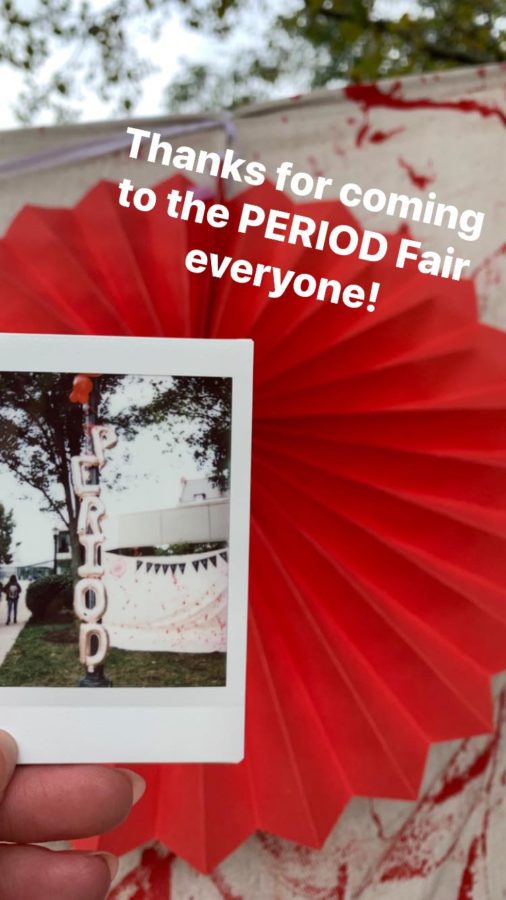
124,533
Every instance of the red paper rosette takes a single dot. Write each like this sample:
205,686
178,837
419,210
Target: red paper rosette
378,564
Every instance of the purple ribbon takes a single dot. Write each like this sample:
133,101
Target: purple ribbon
102,146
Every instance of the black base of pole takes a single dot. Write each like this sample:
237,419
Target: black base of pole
95,679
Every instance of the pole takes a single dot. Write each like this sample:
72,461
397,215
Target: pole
97,678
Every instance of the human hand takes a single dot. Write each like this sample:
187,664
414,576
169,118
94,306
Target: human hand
53,803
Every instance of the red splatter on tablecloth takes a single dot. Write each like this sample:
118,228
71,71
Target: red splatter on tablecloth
448,846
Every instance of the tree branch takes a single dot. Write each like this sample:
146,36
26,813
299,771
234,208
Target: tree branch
32,483
435,51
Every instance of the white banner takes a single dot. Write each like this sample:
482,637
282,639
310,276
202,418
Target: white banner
176,603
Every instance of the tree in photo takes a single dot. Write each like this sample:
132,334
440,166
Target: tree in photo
41,430
7,525
194,411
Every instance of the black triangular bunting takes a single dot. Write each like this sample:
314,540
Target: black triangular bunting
138,564
173,568
213,560
203,562
224,555
195,564
149,566
158,566
165,567
182,567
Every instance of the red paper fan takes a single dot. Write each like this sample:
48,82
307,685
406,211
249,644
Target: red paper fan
378,565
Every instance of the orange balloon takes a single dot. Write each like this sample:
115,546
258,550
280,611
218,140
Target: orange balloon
81,390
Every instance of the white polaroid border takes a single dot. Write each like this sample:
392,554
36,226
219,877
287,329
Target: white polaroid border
64,725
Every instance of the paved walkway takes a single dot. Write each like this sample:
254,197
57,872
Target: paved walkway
9,633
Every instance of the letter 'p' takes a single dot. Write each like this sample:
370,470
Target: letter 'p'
251,215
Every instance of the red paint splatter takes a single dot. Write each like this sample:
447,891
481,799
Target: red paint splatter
221,885
361,134
416,178
466,891
271,844
410,840
370,96
489,271
377,822
501,251
406,868
457,783
150,880
376,137
379,137
405,871
316,169
342,881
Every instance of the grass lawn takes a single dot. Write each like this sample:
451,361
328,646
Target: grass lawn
47,656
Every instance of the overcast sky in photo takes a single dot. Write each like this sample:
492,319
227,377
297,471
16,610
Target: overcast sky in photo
151,479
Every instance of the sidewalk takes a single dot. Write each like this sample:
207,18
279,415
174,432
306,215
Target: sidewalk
9,633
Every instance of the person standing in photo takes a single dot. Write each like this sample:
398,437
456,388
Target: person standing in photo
12,591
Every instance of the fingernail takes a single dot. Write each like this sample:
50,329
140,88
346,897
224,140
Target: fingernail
111,861
8,758
137,782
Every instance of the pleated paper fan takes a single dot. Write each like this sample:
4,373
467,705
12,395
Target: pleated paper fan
378,564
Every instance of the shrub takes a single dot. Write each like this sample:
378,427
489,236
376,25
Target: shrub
50,597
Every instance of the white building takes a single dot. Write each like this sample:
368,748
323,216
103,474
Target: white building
194,490
201,516
62,551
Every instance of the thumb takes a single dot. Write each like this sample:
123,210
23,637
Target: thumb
8,759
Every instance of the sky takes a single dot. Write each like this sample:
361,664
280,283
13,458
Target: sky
191,45
151,480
